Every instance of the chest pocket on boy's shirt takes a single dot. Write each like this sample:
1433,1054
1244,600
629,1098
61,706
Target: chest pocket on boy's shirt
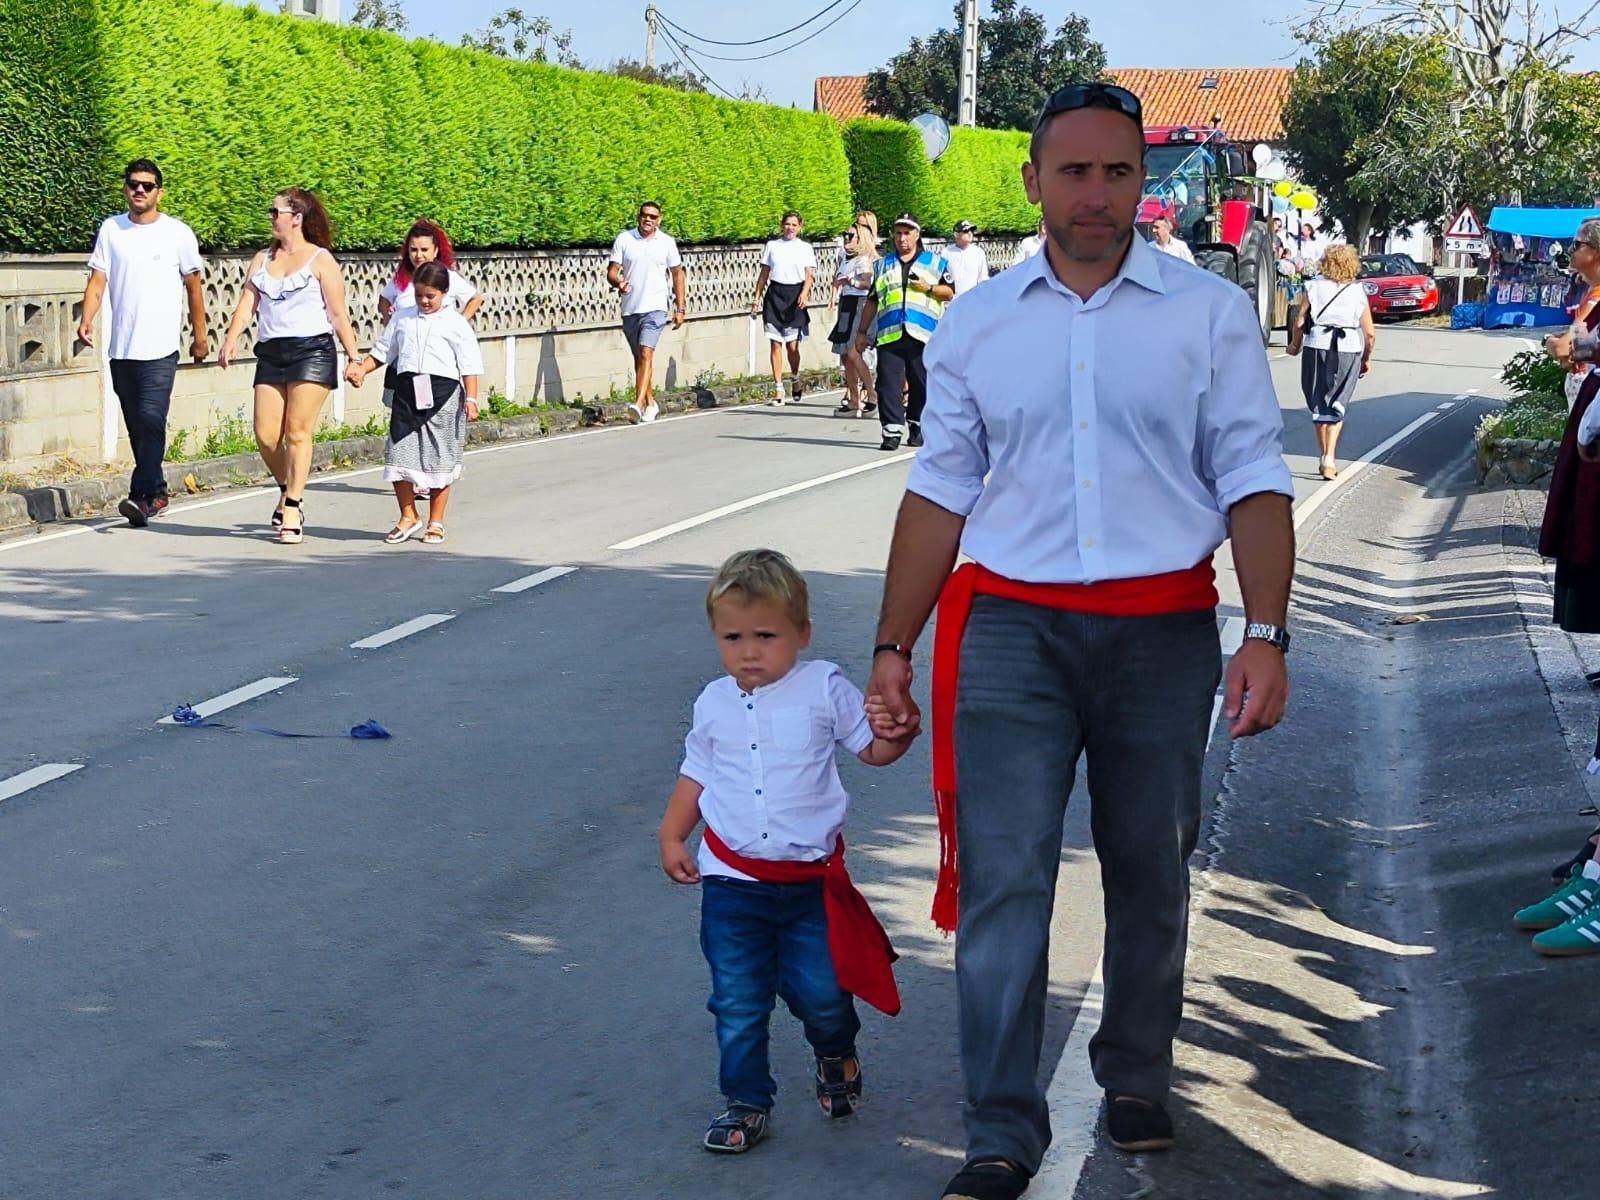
792,729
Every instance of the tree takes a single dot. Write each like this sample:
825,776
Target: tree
380,14
1356,95
515,34
1019,65
673,75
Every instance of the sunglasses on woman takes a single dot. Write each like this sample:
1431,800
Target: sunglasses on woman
1091,95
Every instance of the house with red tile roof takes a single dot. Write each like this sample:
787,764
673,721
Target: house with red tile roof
842,97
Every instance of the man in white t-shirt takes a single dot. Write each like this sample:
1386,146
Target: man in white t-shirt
1033,243
1163,239
147,261
969,265
643,259
783,290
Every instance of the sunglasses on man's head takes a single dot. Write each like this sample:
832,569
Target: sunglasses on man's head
1091,95
141,185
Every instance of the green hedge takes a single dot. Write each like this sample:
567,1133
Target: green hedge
235,103
979,178
52,146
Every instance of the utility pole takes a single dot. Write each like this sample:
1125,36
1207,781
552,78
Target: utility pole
967,90
650,36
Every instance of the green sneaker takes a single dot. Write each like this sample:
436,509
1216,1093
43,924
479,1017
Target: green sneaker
1581,935
1569,900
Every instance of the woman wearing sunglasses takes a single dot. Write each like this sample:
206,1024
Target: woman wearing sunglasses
298,290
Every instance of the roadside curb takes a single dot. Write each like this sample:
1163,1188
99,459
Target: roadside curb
78,498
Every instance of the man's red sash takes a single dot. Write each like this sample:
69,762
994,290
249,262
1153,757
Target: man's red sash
1149,596
862,955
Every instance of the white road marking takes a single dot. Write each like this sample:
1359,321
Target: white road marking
534,580
249,691
405,630
1446,406
1232,639
34,777
1074,1097
253,492
727,510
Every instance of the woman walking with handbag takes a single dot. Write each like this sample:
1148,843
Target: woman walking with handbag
1334,323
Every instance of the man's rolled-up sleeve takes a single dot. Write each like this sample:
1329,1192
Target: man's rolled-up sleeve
950,468
1241,427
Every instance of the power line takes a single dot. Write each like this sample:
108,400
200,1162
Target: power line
689,64
792,45
758,41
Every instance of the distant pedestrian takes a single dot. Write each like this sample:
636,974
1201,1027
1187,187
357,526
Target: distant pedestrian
148,261
778,914
427,241
969,265
438,368
1163,239
783,289
1333,322
643,261
1033,243
850,289
909,291
298,289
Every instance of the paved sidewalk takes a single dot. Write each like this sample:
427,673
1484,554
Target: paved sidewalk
1362,1018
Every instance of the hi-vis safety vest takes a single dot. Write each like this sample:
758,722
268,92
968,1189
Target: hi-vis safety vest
902,310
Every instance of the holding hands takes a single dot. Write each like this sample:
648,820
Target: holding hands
355,374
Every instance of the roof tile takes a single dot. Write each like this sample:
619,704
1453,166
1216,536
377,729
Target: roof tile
1248,99
842,97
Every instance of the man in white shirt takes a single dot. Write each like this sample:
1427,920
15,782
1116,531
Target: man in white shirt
1162,239
969,265
148,261
1033,243
642,261
1099,420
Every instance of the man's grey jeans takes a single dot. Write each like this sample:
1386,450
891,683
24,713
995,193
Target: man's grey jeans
1039,688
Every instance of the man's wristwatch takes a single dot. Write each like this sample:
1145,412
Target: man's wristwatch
903,651
1276,635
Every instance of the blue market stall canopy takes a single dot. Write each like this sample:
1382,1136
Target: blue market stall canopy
1529,279
1558,223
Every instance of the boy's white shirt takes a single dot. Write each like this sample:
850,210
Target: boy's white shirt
767,761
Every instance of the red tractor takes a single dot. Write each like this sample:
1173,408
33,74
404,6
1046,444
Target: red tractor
1202,183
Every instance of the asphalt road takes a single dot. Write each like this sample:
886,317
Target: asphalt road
447,964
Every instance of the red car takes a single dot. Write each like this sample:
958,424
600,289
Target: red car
1397,287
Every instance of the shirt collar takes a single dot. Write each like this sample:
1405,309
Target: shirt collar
1141,265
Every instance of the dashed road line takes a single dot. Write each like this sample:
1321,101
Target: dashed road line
405,630
249,691
727,510
35,777
534,580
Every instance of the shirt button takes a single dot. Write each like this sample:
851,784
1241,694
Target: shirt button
1083,424
1080,366
758,791
1088,542
749,705
1087,485
752,745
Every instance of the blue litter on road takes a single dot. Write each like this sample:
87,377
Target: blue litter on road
186,716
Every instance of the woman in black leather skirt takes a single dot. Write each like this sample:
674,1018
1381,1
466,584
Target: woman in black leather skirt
297,289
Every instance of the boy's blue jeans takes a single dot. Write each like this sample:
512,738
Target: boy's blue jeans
765,940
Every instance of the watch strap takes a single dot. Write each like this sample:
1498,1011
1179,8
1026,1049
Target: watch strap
903,651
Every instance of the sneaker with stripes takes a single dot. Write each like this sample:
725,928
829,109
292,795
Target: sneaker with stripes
1571,899
1581,935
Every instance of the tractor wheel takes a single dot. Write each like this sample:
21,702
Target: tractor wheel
1256,276
1218,262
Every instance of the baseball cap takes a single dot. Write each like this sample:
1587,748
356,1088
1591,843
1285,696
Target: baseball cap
908,219
966,227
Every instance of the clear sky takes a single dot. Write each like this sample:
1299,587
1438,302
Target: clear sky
1219,33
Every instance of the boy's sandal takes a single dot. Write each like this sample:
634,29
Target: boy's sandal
987,1179
435,533
746,1124
838,1095
403,533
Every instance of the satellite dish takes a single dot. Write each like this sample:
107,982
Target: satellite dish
935,133
1262,154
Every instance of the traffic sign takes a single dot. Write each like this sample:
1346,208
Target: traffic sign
1466,225
1466,245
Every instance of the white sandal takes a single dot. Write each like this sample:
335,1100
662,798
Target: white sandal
435,533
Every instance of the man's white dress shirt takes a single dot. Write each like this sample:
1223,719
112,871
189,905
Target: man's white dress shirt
1176,247
1098,439
768,763
968,267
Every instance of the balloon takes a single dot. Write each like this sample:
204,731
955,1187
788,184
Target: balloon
1280,205
1304,201
1282,188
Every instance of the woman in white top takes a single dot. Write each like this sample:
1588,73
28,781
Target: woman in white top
788,269
298,290
1333,322
427,241
851,282
438,367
